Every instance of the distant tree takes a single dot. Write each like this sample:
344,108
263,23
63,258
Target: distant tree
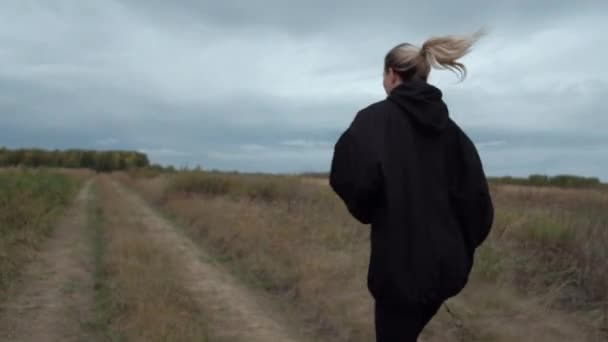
539,179
4,154
544,180
86,159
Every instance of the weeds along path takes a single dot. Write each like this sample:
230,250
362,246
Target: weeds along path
54,299
232,312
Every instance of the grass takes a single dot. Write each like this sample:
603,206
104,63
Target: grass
490,263
254,187
563,234
544,261
30,201
103,303
140,295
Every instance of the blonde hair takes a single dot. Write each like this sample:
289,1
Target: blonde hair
408,60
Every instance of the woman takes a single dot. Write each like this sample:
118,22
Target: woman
407,169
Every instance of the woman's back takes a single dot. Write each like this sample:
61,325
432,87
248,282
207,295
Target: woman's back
405,159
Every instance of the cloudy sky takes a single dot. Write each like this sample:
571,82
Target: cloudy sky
269,85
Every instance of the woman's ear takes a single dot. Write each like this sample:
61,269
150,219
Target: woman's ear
392,77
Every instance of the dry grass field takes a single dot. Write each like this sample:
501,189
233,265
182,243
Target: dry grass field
207,256
541,276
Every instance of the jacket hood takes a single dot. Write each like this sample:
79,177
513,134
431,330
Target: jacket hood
423,103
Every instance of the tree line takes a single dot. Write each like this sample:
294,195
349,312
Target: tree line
101,161
545,180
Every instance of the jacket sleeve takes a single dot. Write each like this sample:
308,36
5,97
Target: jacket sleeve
355,175
471,198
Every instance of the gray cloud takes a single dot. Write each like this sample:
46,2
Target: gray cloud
270,85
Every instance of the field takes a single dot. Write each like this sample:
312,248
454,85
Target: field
207,256
541,275
29,203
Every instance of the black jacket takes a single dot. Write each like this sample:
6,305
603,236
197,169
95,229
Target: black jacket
405,167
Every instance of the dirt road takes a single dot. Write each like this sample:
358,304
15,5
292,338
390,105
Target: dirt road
232,312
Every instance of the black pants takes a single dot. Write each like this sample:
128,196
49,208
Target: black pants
403,323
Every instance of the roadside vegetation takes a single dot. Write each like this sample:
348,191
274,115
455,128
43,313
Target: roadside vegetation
30,202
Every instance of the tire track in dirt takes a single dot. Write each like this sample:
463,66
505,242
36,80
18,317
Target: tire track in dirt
54,300
232,312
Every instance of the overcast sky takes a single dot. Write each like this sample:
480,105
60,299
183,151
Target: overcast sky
270,85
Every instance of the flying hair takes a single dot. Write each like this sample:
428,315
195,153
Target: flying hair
442,52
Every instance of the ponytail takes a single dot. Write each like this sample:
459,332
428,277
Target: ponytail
438,52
